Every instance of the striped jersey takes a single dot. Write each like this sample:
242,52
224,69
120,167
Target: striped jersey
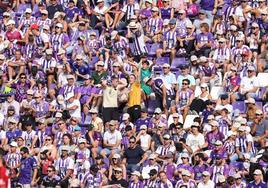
92,181
155,25
58,41
62,165
171,38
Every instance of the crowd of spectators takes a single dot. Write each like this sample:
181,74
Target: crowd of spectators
137,94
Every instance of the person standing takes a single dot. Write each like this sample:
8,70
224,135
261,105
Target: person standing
28,169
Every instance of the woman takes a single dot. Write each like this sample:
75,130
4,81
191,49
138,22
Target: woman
59,18
204,40
67,141
184,98
199,103
144,138
26,21
166,12
59,39
116,163
96,121
48,145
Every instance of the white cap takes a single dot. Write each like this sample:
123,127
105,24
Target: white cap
233,68
155,9
203,59
12,120
13,144
11,22
116,156
44,12
236,176
82,140
251,68
146,79
165,22
100,1
175,115
157,111
93,110
143,127
126,116
233,27
61,51
210,117
250,100
189,25
59,25
149,1
49,51
242,128
132,25
70,76
219,32
100,63
166,136
257,172
221,178
206,173
184,155
185,173
222,40
218,143
259,112
243,121
181,11
195,124
136,173
60,99
58,115
28,10
46,27
166,65
30,92
152,156
255,24
161,125
69,95
204,85
113,34
231,133
194,58
214,123
79,56
6,14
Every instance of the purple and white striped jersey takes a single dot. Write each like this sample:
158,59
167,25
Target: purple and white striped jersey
69,89
41,23
189,184
58,41
229,147
26,23
59,136
168,184
41,40
29,50
222,54
184,97
40,138
237,53
121,46
47,64
76,34
154,25
62,165
28,137
132,184
151,183
171,38
92,181
93,44
223,126
13,159
41,109
164,150
207,71
215,171
241,142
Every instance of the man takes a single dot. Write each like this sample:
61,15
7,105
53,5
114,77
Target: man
260,128
99,73
134,156
135,180
121,44
13,132
44,20
73,106
249,84
53,8
202,18
92,178
13,35
111,140
51,180
163,150
168,77
64,167
153,181
206,182
164,182
118,174
39,106
28,169
48,64
207,72
59,39
41,39
195,140
213,135
110,100
220,167
257,182
11,102
16,65
80,68
186,181
186,75
13,160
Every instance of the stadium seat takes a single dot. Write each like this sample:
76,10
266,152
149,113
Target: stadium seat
152,48
189,121
215,92
263,79
162,60
178,62
240,105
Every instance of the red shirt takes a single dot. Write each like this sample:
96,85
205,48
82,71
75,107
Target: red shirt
13,35
4,179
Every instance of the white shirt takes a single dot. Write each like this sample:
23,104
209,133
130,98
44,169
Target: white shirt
209,184
14,103
112,138
195,141
249,83
77,112
169,78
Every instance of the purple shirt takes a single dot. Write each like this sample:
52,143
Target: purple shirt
136,185
26,170
212,138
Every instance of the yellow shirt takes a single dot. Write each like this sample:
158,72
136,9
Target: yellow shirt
134,96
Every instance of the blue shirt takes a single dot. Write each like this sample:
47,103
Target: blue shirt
207,4
26,170
12,135
253,185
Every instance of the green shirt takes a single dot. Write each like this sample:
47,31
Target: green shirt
97,77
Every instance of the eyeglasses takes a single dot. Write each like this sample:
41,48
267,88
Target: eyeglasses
43,14
180,14
233,70
19,140
250,71
23,77
131,142
60,123
221,42
165,67
184,83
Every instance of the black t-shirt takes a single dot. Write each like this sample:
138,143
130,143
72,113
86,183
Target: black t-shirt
50,182
121,182
133,156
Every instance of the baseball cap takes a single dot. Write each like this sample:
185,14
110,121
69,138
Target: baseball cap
214,123
132,25
30,92
222,40
233,27
185,173
152,156
175,115
255,24
206,173
153,172
2,57
259,112
59,25
70,76
181,11
155,9
49,51
250,101
61,51
13,144
64,148
166,136
58,115
210,117
242,128
203,59
166,65
257,172
100,63
136,173
12,120
28,10
113,34
82,140
172,21
251,68
60,99
69,95
116,156
113,122
157,111
126,116
195,124
143,127
165,22
184,155
11,22
44,12
193,58
77,128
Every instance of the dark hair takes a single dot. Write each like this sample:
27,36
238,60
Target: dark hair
22,74
200,155
52,167
186,80
25,150
70,138
133,137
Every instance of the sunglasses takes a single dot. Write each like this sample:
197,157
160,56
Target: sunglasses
250,71
43,14
239,41
258,114
254,27
118,172
221,42
57,27
78,59
178,128
185,84
49,170
22,77
180,14
233,70
60,123
132,142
